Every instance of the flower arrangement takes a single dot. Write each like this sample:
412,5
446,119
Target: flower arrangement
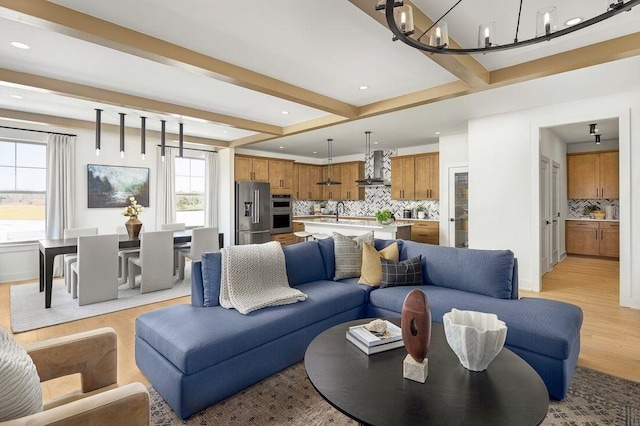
133,209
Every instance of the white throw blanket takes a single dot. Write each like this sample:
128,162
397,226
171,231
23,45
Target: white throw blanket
254,277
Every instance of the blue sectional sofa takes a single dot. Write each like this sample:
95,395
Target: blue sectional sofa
196,355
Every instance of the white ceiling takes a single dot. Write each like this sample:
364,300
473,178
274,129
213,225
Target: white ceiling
608,129
329,47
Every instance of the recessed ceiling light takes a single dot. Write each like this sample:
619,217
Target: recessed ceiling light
364,87
16,96
281,147
437,133
572,21
375,143
315,152
20,45
285,112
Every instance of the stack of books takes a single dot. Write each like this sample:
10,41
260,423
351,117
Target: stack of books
371,343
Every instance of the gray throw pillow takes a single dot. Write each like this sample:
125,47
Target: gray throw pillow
405,272
348,254
20,391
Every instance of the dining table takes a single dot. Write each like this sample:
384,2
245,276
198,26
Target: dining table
50,248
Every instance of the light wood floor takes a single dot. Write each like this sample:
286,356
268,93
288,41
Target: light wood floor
610,334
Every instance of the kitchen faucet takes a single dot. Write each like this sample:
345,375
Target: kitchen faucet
340,203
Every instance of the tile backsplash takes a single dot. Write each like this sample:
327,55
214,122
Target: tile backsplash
376,198
575,206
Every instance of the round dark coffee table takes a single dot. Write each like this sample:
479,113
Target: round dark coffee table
371,389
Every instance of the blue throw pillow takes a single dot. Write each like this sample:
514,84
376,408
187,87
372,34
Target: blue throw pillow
405,272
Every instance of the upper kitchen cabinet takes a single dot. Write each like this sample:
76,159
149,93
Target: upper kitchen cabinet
593,175
255,169
308,177
427,180
403,178
281,176
351,172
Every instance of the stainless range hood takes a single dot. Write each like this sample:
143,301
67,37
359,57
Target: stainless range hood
376,179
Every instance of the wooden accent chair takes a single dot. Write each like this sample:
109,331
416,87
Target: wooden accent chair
93,354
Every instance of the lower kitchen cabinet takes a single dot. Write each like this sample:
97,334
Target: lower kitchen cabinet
426,232
284,239
593,238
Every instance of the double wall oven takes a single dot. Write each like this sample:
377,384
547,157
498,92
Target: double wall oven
281,214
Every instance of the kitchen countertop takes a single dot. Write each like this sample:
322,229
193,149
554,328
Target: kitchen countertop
352,223
361,218
592,220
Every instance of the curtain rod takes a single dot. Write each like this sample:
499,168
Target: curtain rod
192,149
37,131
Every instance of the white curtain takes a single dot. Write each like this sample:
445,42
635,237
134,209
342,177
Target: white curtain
61,198
211,189
166,199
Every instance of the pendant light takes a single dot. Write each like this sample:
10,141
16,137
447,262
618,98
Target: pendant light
122,134
163,126
143,136
597,139
593,129
329,182
98,130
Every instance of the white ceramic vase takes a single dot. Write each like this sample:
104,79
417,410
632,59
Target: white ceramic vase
421,215
475,337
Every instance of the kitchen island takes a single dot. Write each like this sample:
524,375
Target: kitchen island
353,227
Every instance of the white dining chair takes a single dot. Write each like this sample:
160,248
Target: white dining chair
124,255
94,277
71,258
155,262
202,240
179,246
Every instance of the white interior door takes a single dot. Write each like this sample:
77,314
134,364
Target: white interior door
545,217
555,213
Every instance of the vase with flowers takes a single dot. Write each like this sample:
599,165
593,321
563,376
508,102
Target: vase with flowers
133,225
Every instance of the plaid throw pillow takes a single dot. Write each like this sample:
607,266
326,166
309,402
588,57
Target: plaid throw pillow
348,254
406,272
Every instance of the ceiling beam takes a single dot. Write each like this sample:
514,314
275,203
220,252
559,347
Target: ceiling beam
464,67
118,99
53,17
410,100
73,123
583,57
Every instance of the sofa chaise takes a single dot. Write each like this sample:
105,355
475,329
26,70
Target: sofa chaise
198,354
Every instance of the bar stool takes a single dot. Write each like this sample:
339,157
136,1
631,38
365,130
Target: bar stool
320,236
303,235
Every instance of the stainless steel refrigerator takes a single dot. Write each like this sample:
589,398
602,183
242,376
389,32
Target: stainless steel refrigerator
252,213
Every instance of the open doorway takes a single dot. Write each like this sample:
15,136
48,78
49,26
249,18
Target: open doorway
579,193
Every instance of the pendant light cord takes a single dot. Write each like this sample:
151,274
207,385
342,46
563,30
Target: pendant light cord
439,19
518,24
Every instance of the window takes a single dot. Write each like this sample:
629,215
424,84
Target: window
23,184
190,191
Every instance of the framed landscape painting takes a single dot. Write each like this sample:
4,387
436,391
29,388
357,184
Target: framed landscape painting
111,186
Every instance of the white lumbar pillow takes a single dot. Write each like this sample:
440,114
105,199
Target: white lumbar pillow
20,391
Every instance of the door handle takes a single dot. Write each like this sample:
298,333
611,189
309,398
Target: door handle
452,220
555,221
547,222
596,234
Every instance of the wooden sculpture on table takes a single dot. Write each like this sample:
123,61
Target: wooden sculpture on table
416,335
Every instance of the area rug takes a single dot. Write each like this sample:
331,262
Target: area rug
28,311
289,398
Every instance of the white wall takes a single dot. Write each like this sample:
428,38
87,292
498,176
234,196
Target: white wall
504,155
592,147
21,262
454,152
